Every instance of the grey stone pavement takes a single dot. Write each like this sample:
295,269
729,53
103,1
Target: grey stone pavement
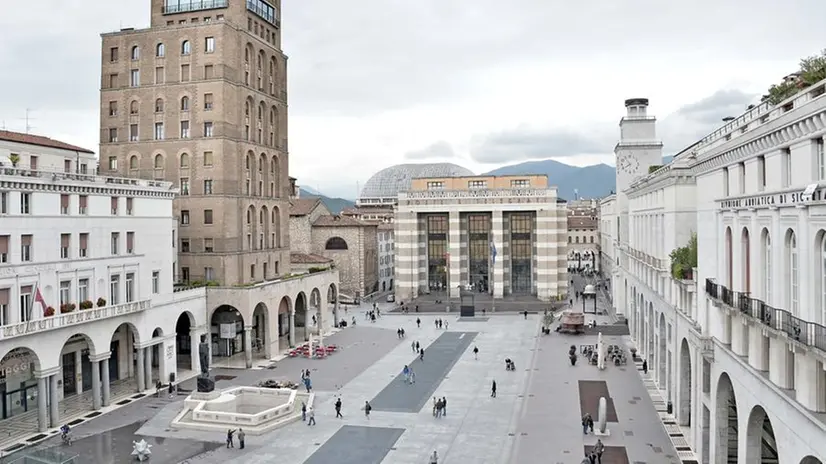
534,418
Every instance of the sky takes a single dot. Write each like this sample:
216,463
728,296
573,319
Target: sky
481,83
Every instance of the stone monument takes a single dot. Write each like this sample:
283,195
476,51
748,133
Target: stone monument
601,352
602,418
205,384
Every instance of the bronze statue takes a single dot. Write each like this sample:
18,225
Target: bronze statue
205,384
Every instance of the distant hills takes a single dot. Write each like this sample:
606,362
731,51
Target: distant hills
335,205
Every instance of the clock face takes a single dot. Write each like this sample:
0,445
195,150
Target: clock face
627,164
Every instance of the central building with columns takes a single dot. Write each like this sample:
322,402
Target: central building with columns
497,235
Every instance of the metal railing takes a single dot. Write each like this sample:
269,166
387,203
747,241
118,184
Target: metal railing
53,175
195,5
808,333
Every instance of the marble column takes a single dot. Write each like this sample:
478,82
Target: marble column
497,282
147,360
54,401
248,346
292,328
140,371
42,425
194,342
95,385
104,380
78,372
454,259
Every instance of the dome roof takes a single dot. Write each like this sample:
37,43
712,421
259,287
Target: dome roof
390,181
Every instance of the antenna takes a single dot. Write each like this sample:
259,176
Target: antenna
28,119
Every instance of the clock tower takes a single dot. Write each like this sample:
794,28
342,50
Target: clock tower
637,149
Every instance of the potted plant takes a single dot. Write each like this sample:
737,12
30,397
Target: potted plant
86,304
684,260
14,158
101,302
67,308
49,311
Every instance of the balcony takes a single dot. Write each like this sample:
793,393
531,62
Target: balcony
195,5
52,176
78,317
780,321
648,259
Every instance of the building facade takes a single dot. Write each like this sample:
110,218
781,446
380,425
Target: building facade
199,99
386,251
739,343
499,235
607,220
583,235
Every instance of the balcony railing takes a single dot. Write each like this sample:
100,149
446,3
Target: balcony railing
57,176
807,333
76,317
184,7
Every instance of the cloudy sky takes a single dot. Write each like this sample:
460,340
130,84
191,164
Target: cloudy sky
481,83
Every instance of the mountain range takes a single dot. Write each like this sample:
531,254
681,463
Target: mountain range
594,181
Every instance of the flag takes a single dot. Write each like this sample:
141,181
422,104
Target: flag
493,251
38,298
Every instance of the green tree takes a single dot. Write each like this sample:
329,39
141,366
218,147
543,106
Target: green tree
813,68
684,259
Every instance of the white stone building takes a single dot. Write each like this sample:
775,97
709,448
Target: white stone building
607,220
387,248
739,344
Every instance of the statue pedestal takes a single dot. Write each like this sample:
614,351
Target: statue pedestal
205,384
606,433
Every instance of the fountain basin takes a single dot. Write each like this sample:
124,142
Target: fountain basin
257,410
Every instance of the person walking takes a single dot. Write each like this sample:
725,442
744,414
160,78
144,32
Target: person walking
421,355
585,419
446,325
493,389
413,346
435,406
444,406
417,347
406,372
476,353
599,448
311,415
434,458
418,321
338,409
526,315
230,443
645,366
367,409
303,411
412,376
242,436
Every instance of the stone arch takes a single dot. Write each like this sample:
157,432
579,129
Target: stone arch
123,365
316,310
726,416
19,365
185,103
761,444
260,335
250,163
263,172
259,66
134,107
264,224
184,161
810,460
332,299
16,357
745,259
273,74
158,161
335,243
227,330
160,50
300,316
275,175
285,320
729,254
185,347
159,105
186,47
686,387
662,356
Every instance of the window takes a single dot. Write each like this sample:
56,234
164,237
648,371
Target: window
207,101
114,290
185,217
113,108
65,241
130,243
209,44
209,274
83,245
186,48
25,303
134,78
160,50
435,185
786,156
136,53
184,103
185,76
133,132
761,173
520,183
130,287
184,129
185,245
114,204
4,203
207,216
208,245
208,187
25,248
113,135
115,241
477,184
741,172
159,75
184,161
794,276
725,182
207,158
156,282
252,272
113,80
159,105
133,162
335,243
25,203
158,131
184,185
821,160
209,71
133,107
82,290
208,129
64,204
129,202
113,55
65,292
